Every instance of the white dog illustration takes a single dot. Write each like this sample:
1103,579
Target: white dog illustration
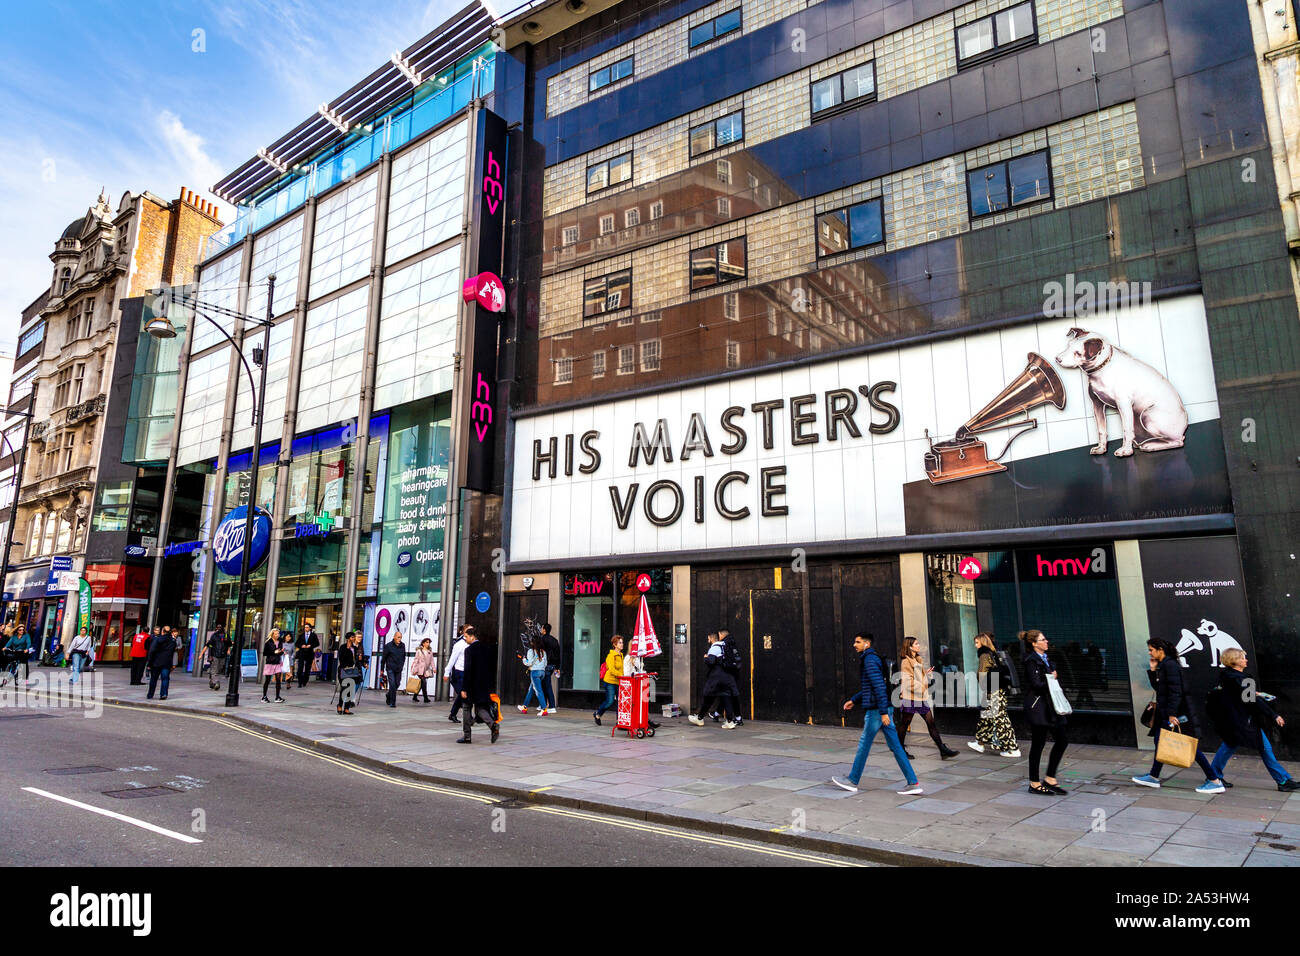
1220,641
1151,414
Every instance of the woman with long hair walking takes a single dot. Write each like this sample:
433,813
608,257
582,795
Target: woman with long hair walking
349,673
993,731
535,662
613,670
1171,713
916,697
1041,714
423,668
272,664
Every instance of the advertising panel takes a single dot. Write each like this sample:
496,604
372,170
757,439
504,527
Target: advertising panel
1059,421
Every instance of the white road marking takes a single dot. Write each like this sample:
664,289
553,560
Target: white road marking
144,824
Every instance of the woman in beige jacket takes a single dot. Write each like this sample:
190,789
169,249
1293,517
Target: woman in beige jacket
423,667
916,697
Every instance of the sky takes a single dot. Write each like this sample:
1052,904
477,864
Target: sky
155,95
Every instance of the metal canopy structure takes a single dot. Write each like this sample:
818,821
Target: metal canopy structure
459,36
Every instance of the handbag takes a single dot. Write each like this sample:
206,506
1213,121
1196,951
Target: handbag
1149,714
350,673
412,685
1176,748
1059,702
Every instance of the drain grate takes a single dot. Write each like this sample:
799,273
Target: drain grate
70,771
1265,833
1282,846
511,804
137,792
24,716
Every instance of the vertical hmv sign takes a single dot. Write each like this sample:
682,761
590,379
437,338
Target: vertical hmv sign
485,296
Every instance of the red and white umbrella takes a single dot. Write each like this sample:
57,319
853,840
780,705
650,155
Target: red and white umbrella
645,643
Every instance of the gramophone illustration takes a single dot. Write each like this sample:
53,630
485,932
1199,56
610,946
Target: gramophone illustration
965,456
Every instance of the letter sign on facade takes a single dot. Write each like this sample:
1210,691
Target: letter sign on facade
486,295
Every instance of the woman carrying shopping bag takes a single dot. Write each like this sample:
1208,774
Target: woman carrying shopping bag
422,668
1044,713
1172,715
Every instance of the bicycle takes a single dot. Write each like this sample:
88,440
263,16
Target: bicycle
9,663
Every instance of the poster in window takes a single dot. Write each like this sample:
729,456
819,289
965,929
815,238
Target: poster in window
298,482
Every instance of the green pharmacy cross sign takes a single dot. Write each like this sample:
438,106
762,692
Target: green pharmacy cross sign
314,526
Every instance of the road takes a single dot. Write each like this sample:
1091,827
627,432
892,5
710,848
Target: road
236,797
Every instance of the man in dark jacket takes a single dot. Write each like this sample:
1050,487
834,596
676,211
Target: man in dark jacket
217,651
731,664
304,654
478,684
877,715
1240,715
393,659
554,661
162,658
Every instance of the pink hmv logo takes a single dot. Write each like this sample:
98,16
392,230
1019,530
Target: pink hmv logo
487,289
970,569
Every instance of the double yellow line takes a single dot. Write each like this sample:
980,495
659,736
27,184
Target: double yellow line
623,824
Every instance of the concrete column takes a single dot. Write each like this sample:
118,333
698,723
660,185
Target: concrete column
366,405
911,578
290,422
1133,609
682,690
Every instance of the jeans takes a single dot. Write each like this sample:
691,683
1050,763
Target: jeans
611,698
457,680
156,672
1275,769
393,678
78,662
535,679
873,726
548,685
1206,768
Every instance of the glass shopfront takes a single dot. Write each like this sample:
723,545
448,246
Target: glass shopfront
1071,594
414,518
599,605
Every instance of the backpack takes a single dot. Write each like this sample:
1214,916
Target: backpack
1007,674
730,656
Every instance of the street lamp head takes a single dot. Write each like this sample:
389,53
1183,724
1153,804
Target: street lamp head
160,327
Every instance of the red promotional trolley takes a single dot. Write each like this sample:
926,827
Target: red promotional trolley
634,706
634,690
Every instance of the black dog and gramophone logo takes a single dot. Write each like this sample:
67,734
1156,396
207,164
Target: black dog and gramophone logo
1151,413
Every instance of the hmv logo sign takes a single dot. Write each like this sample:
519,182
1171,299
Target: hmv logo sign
1094,564
577,586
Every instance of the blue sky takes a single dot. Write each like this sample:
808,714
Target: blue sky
98,94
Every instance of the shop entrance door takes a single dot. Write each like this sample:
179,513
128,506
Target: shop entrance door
775,655
528,605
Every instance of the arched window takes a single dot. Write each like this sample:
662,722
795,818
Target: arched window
34,535
65,280
51,525
64,541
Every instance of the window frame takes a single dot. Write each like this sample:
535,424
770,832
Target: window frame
604,280
690,134
564,362
998,49
564,234
598,372
843,105
1011,206
39,327
714,35
631,176
718,280
848,220
609,69
658,356
631,366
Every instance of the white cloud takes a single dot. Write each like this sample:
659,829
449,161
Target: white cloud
187,149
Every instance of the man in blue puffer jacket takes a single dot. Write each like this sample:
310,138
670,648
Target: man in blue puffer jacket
874,700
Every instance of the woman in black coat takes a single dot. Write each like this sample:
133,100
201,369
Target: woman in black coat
1240,716
347,661
720,687
1042,716
1172,712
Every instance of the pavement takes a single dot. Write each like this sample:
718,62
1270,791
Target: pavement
770,781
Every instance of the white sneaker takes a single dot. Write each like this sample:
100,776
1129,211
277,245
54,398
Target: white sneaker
543,712
728,725
978,748
552,710
910,791
695,720
844,786
522,709
1010,753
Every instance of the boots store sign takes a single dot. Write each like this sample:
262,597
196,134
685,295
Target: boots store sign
1113,417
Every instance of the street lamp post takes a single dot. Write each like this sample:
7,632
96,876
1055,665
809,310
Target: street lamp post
161,328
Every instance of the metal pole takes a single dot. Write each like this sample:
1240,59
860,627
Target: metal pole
18,487
232,695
